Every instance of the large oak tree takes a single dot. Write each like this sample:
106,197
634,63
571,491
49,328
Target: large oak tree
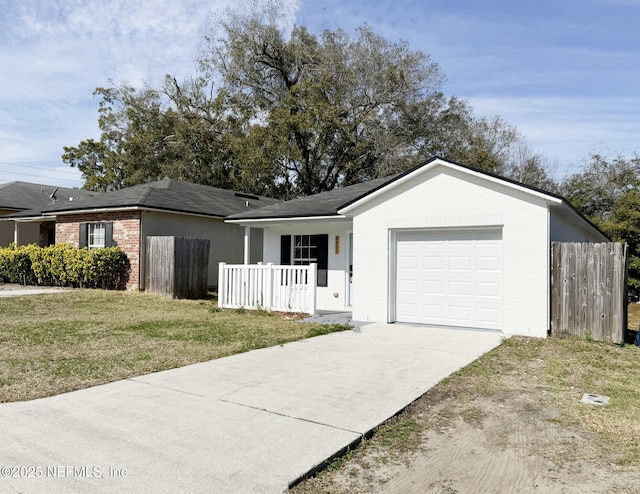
288,114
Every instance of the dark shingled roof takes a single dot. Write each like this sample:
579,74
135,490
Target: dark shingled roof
323,204
24,195
168,195
329,203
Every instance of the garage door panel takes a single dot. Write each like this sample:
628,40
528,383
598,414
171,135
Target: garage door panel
460,315
435,312
432,287
433,263
408,262
408,310
408,286
458,263
457,281
488,264
460,288
488,289
488,316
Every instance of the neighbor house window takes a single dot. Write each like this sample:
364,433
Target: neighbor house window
96,235
96,232
302,250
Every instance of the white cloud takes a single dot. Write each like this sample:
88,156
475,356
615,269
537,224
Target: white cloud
60,51
569,129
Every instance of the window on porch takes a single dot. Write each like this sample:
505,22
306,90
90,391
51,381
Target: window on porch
302,250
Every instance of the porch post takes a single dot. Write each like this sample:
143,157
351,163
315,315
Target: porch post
15,233
268,287
313,277
222,293
247,244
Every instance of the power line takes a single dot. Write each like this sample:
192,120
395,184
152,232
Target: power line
34,167
41,177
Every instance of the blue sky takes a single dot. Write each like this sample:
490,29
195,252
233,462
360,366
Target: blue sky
566,73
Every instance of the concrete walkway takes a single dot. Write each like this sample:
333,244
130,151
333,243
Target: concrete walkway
20,290
250,423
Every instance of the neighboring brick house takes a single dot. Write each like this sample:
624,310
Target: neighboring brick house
126,217
18,197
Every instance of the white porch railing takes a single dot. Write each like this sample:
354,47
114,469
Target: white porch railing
268,287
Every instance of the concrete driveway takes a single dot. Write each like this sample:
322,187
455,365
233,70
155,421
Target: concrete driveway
250,423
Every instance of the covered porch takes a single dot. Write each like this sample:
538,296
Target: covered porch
307,267
28,230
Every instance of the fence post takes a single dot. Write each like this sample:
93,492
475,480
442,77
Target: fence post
221,289
268,287
313,276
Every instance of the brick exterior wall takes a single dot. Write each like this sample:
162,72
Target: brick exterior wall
126,235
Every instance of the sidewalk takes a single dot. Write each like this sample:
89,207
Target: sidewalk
18,290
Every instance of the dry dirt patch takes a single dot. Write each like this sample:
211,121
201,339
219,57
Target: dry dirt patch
511,422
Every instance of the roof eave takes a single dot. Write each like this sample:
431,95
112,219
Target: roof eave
275,219
129,208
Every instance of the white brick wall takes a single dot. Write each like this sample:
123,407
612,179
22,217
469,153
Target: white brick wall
445,198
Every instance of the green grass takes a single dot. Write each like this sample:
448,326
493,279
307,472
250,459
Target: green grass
55,343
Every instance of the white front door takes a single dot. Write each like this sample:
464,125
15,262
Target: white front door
450,278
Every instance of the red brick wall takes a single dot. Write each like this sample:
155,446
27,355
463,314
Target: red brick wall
126,235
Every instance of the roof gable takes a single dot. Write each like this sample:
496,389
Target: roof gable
419,170
340,202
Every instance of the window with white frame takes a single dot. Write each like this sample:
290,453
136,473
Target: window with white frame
96,235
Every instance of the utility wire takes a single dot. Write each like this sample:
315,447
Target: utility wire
33,167
40,177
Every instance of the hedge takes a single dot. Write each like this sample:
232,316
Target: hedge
64,265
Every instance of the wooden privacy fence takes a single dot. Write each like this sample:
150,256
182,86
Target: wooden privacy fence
268,287
588,290
177,266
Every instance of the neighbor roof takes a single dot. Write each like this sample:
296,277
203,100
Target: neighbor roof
24,195
167,195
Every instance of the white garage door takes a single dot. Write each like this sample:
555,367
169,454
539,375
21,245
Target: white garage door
451,278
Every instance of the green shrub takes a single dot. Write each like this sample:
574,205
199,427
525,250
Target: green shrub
64,265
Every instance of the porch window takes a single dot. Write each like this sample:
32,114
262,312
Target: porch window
96,235
304,250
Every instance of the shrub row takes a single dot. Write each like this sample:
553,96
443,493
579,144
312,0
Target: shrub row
64,265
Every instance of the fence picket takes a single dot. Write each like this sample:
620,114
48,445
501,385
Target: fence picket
177,266
588,290
268,286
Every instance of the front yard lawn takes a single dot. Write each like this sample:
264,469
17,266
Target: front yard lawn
51,344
